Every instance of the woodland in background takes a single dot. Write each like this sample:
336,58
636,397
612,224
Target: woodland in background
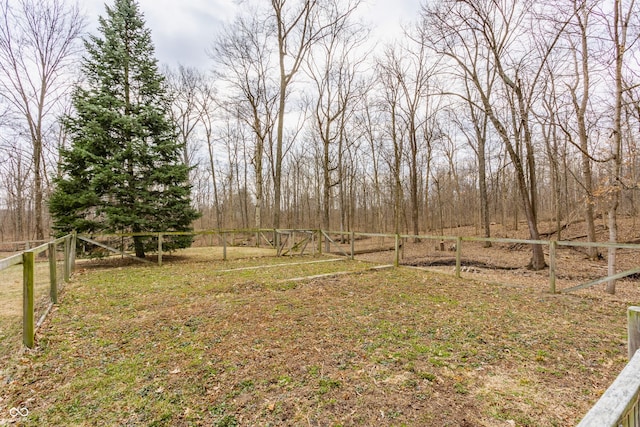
491,111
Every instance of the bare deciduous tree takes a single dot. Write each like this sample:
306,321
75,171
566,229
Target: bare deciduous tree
389,70
492,35
298,27
206,105
185,85
37,44
334,67
623,14
244,54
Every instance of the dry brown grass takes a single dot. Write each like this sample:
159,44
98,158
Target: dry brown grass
206,342
189,344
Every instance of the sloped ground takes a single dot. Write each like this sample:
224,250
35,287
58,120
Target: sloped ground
506,263
189,344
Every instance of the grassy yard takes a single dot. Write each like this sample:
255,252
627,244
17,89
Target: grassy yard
197,343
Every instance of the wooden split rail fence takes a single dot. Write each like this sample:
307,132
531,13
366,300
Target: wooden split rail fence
288,242
619,406
28,261
285,243
458,246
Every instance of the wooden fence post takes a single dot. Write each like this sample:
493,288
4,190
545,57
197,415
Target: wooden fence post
633,329
292,243
276,241
319,242
53,274
458,256
67,259
28,323
553,246
224,246
396,260
72,257
353,245
160,249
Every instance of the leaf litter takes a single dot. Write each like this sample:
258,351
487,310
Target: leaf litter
186,344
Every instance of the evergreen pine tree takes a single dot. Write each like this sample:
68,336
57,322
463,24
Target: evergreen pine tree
123,171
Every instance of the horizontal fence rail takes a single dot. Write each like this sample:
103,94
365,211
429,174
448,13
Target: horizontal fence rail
10,262
283,241
458,248
619,405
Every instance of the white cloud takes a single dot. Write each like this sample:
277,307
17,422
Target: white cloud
388,16
183,30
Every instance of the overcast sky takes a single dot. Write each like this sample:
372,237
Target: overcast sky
182,30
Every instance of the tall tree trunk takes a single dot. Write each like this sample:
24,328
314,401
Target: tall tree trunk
326,194
259,185
37,177
526,190
582,134
620,35
277,175
484,198
428,218
413,180
397,154
258,154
